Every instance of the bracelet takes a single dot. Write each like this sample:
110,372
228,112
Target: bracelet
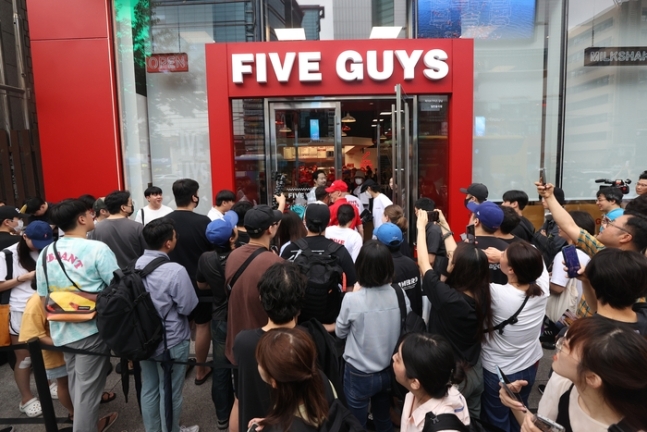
448,235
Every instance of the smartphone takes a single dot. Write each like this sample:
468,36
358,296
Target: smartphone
571,261
504,381
252,428
542,176
546,425
471,234
432,216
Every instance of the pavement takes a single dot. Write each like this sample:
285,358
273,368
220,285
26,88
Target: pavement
197,409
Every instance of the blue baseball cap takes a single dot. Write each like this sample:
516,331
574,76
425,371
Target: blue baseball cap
488,213
40,234
219,230
390,234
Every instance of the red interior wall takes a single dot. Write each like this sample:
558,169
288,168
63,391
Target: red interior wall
75,92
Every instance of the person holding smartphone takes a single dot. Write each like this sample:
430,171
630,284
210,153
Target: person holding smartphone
599,384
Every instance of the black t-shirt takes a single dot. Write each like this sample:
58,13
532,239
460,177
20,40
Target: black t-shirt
640,326
252,392
191,242
524,230
319,244
7,239
243,238
405,248
407,277
436,246
211,270
453,315
512,240
484,242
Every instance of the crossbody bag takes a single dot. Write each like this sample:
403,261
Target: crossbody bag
71,303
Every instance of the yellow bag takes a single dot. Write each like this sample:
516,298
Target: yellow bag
5,339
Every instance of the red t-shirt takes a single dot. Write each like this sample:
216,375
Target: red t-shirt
335,207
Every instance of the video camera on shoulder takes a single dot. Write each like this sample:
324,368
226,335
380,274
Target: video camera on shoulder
623,185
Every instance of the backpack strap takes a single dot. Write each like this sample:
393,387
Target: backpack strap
302,244
334,247
142,213
151,266
247,262
8,256
513,319
563,416
58,258
403,308
442,422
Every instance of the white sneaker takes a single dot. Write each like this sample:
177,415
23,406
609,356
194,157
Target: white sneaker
53,390
194,428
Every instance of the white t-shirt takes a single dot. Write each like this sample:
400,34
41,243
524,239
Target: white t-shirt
548,406
380,202
150,214
20,294
214,214
347,237
362,196
559,275
518,347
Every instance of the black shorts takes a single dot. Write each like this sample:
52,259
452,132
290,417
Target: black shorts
202,312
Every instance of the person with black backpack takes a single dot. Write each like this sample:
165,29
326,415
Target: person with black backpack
325,263
172,293
222,233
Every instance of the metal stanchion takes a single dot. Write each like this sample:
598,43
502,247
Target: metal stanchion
42,385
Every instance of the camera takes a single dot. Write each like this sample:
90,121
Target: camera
623,185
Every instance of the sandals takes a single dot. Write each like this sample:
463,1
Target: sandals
32,408
204,379
108,397
107,421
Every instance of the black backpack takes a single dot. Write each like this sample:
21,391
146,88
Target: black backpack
126,317
442,422
323,297
340,420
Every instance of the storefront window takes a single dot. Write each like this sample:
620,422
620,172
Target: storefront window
249,143
433,149
606,103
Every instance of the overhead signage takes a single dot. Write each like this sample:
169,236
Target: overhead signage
166,63
350,65
615,56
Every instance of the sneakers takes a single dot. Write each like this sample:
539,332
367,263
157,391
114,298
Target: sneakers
53,390
194,428
541,388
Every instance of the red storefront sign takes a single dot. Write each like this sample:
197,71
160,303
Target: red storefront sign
162,63
342,68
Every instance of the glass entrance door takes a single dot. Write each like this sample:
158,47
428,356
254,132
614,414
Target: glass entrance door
304,137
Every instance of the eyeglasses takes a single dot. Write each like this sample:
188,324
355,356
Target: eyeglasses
606,222
560,343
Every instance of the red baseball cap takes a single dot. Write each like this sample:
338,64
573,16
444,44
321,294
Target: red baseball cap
337,186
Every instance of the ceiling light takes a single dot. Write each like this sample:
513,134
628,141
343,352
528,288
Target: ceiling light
290,34
385,32
348,119
375,120
285,129
382,137
373,125
344,134
386,113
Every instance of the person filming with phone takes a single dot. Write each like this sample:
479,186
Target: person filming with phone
599,384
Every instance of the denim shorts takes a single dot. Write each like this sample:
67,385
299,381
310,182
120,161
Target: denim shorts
59,372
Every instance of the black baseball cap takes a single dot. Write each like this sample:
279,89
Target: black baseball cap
260,218
477,190
318,215
368,183
10,212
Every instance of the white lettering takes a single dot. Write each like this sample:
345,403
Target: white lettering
239,68
282,71
309,66
261,68
595,56
387,65
409,63
356,72
435,62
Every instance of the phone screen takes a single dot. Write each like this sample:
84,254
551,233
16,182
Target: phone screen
542,176
432,216
571,261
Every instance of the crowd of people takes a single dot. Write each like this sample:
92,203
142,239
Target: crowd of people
308,315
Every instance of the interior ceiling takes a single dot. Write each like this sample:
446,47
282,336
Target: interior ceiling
365,105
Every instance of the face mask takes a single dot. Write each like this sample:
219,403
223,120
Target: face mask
197,201
19,226
467,200
358,181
